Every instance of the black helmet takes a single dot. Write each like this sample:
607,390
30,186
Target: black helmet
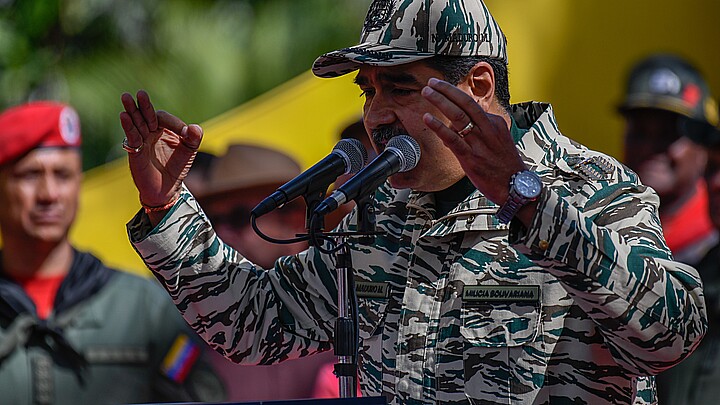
670,83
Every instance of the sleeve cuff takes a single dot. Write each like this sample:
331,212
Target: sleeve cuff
172,234
547,227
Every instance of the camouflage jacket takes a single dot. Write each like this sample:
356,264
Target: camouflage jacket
580,308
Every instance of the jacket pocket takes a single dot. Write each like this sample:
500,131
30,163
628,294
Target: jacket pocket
371,315
501,350
500,324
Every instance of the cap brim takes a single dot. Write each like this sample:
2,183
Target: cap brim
702,133
344,61
658,102
212,193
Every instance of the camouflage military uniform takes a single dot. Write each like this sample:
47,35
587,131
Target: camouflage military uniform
579,308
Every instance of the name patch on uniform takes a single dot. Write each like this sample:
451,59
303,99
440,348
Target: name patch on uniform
372,289
513,293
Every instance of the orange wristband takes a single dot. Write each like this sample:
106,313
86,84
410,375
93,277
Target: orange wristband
148,209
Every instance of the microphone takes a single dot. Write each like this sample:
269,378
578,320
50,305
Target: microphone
401,154
348,156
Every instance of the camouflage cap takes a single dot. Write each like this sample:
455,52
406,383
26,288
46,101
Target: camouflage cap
397,32
668,82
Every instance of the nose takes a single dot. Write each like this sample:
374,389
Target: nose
379,111
47,189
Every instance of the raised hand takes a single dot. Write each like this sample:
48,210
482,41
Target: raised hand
481,141
160,147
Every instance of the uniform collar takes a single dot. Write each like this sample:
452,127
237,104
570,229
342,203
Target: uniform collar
475,213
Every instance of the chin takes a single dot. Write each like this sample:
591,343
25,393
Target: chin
50,237
402,180
51,234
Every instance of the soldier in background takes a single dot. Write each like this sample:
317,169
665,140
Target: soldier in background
663,93
236,182
72,330
697,379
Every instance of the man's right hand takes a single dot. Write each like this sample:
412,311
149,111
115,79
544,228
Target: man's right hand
167,149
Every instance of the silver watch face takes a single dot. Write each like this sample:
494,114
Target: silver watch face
528,185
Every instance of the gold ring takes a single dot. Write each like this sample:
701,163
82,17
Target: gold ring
130,149
466,130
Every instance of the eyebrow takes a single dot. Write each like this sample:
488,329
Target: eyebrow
392,77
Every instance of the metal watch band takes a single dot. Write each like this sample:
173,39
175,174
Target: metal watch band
508,210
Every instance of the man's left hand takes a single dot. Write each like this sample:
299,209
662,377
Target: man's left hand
486,150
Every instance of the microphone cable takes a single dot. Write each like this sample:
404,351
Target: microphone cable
253,222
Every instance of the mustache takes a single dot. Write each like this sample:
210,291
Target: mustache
380,136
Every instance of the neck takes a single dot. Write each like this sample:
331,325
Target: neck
39,259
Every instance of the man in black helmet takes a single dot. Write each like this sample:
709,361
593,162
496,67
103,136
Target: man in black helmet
664,94
695,380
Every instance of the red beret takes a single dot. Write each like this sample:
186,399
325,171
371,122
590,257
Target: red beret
36,125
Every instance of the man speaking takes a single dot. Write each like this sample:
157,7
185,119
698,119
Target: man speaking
519,266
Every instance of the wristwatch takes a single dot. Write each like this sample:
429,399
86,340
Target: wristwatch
525,187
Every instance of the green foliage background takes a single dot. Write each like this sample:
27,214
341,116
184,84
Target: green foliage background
196,58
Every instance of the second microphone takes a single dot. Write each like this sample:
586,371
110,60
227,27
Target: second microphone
401,154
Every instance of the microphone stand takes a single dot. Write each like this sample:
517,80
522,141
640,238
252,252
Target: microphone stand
345,340
346,326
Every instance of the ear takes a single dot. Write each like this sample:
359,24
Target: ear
481,83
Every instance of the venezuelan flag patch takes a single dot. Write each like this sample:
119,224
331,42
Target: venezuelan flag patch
179,360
